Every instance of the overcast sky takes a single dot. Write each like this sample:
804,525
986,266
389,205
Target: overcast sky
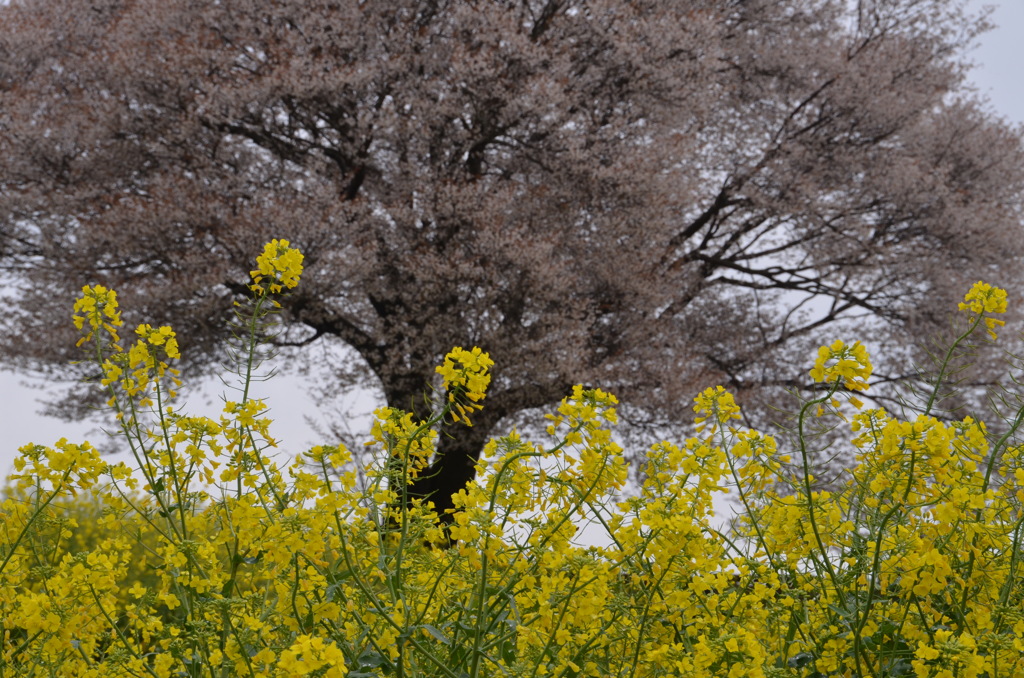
998,77
1000,58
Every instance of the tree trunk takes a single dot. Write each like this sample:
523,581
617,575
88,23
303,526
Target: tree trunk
454,464
458,446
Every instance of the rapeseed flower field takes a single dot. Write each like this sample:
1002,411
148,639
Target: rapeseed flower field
206,557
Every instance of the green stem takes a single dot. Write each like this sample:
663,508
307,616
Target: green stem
28,524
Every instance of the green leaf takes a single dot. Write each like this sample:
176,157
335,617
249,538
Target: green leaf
438,636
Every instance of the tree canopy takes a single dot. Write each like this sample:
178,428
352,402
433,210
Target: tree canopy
651,197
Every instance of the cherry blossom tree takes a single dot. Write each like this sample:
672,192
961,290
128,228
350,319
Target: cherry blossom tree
652,196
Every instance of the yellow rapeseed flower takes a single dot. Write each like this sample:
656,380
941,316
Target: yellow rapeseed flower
981,299
277,268
718,406
98,307
467,370
465,374
851,364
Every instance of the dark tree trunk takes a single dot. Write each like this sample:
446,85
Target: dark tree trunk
454,464
458,446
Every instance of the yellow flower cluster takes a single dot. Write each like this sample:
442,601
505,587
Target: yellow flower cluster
161,337
982,299
97,307
465,375
310,655
277,268
209,559
839,362
410,445
715,407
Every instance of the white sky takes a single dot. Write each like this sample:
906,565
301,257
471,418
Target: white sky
1000,59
